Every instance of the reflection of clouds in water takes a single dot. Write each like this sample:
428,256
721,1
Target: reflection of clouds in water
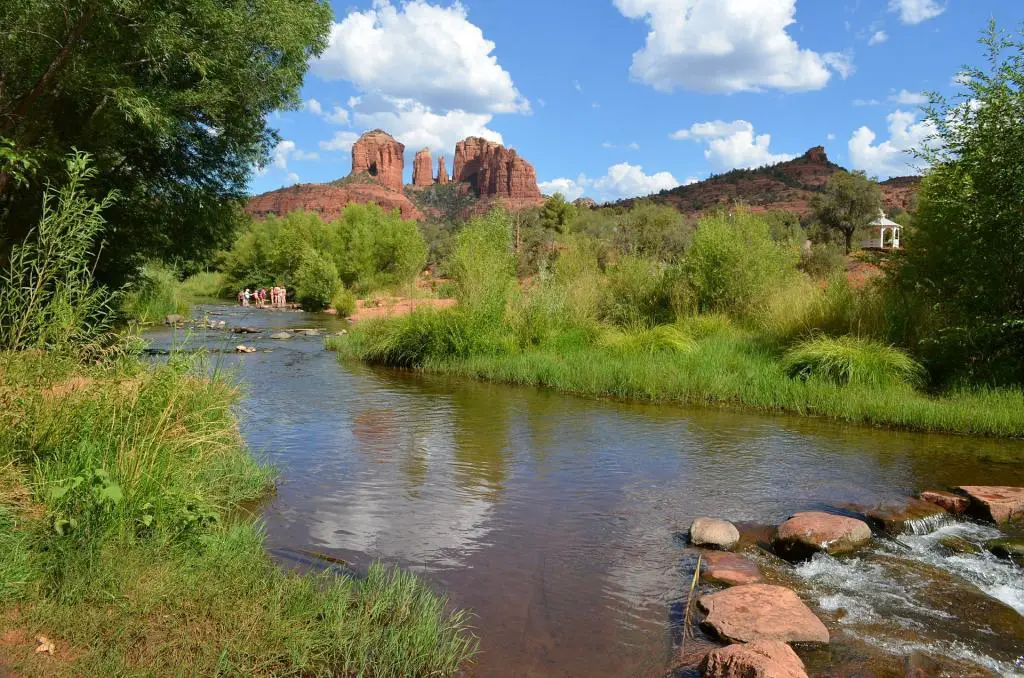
414,510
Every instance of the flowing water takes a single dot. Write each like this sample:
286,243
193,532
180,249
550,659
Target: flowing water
559,520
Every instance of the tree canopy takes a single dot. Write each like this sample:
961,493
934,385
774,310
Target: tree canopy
965,253
850,201
169,97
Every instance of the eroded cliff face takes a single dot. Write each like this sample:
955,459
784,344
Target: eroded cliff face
494,171
328,201
379,156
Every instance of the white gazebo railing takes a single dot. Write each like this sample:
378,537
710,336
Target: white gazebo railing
888,234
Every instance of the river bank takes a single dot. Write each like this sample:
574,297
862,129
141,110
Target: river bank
127,544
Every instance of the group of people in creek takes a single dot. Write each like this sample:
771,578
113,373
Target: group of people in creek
278,297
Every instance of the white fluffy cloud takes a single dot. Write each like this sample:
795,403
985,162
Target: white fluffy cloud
916,11
908,98
341,141
726,46
892,157
428,53
417,126
622,181
732,145
287,150
338,115
877,38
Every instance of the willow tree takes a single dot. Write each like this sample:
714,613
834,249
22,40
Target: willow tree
170,98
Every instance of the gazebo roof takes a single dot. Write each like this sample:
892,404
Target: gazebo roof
882,221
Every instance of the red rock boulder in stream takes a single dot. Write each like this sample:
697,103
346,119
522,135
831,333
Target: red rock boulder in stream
730,569
805,534
744,614
423,169
998,504
954,503
757,659
379,156
904,516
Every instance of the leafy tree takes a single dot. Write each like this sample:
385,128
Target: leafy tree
169,97
850,201
557,213
316,281
965,255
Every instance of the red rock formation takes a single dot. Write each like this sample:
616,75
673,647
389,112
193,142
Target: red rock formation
423,169
442,171
496,172
758,659
328,201
381,157
743,614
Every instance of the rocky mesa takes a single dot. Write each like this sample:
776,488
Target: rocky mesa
492,173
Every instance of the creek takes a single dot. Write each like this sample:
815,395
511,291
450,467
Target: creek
561,521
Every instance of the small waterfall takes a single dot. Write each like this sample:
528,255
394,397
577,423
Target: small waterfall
928,524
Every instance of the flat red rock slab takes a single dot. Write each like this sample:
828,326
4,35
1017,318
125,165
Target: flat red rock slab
730,569
954,503
998,504
897,517
743,614
757,659
805,534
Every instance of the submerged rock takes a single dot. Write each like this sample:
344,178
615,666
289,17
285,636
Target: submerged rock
761,612
954,503
730,569
998,504
244,349
174,319
757,659
281,336
1008,549
715,533
805,534
909,516
958,545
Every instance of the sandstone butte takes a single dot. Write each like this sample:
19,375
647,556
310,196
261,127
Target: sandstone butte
496,173
378,155
423,169
442,171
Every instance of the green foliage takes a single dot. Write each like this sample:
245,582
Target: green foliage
849,360
171,100
482,266
369,248
849,202
316,281
654,231
965,254
822,261
641,340
155,295
734,264
48,299
344,302
449,201
639,291
557,214
135,500
205,285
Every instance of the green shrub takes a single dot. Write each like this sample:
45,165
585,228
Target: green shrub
48,296
849,360
316,281
641,340
734,264
822,261
156,294
482,266
344,302
638,291
206,285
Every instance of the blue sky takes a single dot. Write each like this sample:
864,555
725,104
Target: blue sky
617,98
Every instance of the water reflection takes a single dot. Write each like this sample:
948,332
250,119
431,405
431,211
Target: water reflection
552,517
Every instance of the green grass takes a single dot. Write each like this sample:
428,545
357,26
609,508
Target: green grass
123,537
157,294
727,366
852,360
206,285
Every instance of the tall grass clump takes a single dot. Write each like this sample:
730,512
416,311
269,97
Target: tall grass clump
48,299
206,285
851,360
155,295
641,340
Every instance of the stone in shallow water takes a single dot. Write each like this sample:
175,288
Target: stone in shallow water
761,612
281,336
757,659
954,503
715,533
958,545
805,534
912,516
998,504
730,569
1009,549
